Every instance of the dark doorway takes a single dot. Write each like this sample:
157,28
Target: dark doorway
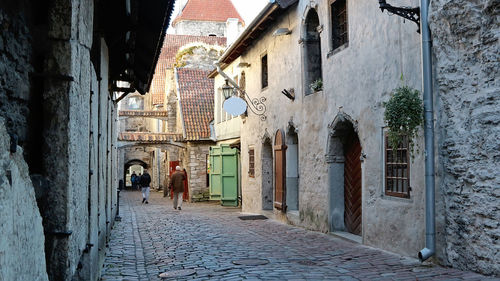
267,175
345,177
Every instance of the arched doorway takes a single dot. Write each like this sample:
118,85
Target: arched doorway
131,166
312,50
292,170
344,171
267,174
279,171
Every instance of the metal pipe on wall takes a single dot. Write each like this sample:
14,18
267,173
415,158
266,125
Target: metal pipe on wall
430,221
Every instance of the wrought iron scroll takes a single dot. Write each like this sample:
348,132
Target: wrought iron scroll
257,106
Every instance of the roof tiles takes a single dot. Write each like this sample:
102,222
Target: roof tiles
196,101
208,10
144,137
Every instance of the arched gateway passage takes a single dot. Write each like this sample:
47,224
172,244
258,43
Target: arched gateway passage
133,165
344,171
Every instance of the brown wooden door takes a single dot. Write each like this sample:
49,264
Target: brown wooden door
352,187
279,171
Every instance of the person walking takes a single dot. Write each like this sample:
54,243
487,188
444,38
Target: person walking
133,179
178,179
144,181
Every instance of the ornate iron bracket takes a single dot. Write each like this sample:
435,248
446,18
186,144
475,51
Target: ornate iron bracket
256,105
409,13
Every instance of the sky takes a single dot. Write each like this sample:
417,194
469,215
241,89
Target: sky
248,9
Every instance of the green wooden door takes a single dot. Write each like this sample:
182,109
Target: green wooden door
224,175
215,173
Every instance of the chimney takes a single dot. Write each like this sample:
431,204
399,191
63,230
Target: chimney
233,29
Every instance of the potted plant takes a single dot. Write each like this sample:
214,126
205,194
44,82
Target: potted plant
403,114
316,85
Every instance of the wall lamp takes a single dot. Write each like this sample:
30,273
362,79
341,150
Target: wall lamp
282,31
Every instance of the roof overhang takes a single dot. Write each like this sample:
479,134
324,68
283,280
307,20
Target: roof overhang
134,31
258,26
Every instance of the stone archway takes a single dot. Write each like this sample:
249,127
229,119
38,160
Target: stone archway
344,173
131,163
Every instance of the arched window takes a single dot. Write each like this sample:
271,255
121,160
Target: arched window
135,103
312,53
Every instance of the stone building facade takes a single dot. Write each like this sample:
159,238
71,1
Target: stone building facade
301,155
58,134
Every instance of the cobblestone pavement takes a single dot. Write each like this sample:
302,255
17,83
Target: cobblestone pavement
206,238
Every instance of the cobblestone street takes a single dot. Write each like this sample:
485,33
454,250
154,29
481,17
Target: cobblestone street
204,240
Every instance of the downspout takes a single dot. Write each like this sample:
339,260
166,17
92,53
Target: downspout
430,220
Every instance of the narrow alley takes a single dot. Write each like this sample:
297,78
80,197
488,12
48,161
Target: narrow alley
206,241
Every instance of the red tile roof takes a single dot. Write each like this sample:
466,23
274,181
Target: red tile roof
144,137
208,10
196,93
143,113
171,46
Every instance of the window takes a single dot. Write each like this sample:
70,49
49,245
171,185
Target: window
397,170
218,106
264,71
251,162
243,81
312,52
339,23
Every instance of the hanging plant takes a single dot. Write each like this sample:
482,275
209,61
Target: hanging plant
403,114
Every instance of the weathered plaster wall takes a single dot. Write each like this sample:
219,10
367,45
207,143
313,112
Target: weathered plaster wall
466,38
22,243
356,81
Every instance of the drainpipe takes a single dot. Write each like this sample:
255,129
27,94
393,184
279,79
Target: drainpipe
430,227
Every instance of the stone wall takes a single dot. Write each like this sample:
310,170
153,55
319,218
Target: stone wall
63,117
466,38
200,28
15,66
22,243
197,170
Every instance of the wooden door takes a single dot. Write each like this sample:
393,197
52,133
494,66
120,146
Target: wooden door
185,194
352,187
279,171
171,171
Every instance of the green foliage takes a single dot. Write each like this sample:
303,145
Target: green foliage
317,85
404,114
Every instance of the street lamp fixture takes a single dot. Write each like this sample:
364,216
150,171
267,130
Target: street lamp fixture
227,90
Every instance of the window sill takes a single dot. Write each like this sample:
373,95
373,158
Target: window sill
399,199
337,50
314,93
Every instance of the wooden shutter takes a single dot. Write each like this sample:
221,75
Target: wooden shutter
280,171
